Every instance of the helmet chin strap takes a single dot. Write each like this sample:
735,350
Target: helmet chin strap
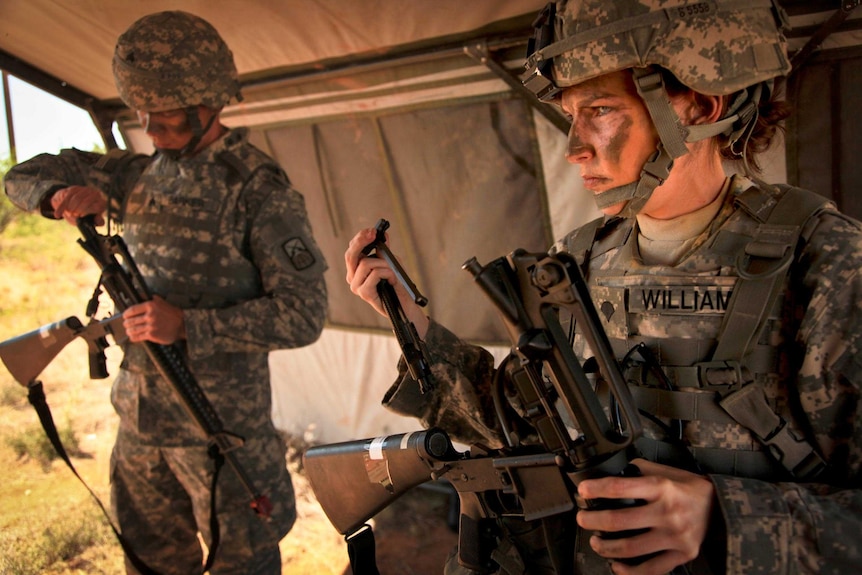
673,137
636,194
198,132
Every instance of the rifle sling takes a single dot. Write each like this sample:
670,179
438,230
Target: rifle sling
36,396
361,550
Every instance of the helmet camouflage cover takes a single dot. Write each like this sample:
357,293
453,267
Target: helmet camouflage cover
172,60
715,47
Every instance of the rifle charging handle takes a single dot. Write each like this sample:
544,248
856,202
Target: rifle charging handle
547,276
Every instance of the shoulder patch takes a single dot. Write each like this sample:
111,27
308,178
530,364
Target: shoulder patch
298,253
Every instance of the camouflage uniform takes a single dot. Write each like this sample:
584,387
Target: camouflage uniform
225,237
764,388
773,523
222,235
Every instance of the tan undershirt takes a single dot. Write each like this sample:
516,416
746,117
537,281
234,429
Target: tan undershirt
664,242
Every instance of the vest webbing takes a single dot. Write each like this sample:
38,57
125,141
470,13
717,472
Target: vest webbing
763,267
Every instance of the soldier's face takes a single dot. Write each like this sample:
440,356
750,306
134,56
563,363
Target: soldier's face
612,135
169,130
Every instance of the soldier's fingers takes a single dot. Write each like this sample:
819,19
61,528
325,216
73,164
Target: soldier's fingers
615,487
88,201
75,201
58,200
366,276
353,254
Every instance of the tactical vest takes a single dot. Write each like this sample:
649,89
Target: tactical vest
186,228
713,324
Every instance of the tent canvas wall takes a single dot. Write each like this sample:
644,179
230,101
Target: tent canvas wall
411,111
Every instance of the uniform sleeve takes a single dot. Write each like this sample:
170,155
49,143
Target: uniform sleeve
291,310
30,183
460,399
813,527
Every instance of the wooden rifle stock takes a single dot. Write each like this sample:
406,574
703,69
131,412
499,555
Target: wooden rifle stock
354,480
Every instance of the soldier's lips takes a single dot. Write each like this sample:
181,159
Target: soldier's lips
594,183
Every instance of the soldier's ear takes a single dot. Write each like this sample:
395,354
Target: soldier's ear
696,108
707,109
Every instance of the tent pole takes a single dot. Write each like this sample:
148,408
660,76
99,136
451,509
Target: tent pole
10,127
479,52
828,27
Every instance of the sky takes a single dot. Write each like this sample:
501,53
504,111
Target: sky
44,123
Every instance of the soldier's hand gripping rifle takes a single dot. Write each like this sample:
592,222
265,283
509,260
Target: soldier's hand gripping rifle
354,480
412,346
126,287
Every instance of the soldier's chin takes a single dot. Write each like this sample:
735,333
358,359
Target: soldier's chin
614,209
171,153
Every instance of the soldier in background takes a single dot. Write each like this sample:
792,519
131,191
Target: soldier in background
748,295
224,243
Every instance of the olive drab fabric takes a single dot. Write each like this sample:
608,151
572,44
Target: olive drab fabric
172,60
716,47
802,364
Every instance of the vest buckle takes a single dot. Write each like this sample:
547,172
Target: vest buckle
728,376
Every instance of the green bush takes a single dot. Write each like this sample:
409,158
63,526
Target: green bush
12,395
8,212
26,551
32,442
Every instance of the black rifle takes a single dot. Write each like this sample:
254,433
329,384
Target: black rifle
126,287
412,347
354,480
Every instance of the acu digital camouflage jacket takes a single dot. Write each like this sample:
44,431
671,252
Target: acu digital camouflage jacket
222,235
772,522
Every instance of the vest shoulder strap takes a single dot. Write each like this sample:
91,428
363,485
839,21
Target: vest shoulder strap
764,262
244,168
596,237
763,266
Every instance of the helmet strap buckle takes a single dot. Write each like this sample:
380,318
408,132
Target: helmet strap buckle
538,77
658,165
671,132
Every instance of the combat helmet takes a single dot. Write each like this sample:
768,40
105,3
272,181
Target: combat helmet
174,60
716,47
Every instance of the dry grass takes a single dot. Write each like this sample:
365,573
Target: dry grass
49,523
47,518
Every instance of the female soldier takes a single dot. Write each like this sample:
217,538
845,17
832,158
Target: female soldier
764,369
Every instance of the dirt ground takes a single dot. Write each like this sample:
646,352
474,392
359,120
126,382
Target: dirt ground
412,536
